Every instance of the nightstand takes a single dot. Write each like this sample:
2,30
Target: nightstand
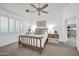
53,38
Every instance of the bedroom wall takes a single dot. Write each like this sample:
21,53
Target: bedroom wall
7,38
55,18
68,12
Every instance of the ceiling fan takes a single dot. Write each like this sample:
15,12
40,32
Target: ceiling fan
39,9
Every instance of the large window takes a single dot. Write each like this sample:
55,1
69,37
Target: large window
4,24
11,25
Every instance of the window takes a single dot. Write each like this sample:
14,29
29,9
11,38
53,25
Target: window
21,26
4,24
17,26
11,25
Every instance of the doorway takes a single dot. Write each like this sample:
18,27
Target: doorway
71,31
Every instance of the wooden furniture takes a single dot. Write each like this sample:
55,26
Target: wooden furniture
54,38
31,42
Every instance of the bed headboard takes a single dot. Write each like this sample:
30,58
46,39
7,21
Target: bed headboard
41,27
41,23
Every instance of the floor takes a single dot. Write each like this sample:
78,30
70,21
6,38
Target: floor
72,41
51,49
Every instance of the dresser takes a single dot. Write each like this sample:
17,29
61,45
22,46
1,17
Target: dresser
53,38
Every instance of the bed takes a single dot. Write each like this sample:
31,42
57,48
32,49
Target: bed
35,41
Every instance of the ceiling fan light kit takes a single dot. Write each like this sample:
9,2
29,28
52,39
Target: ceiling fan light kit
27,10
38,9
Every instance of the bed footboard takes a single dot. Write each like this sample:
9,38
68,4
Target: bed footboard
31,42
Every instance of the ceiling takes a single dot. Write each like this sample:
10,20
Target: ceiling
19,8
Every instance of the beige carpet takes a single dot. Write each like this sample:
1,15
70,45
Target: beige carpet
51,49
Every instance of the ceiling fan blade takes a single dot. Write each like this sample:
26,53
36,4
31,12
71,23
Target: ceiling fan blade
46,5
45,12
34,6
33,11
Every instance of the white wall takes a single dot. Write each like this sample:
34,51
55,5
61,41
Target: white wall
68,12
7,38
71,20
55,18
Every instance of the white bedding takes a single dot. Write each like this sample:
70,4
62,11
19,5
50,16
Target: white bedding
43,40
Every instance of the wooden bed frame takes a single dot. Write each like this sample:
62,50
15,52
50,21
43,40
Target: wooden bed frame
39,49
